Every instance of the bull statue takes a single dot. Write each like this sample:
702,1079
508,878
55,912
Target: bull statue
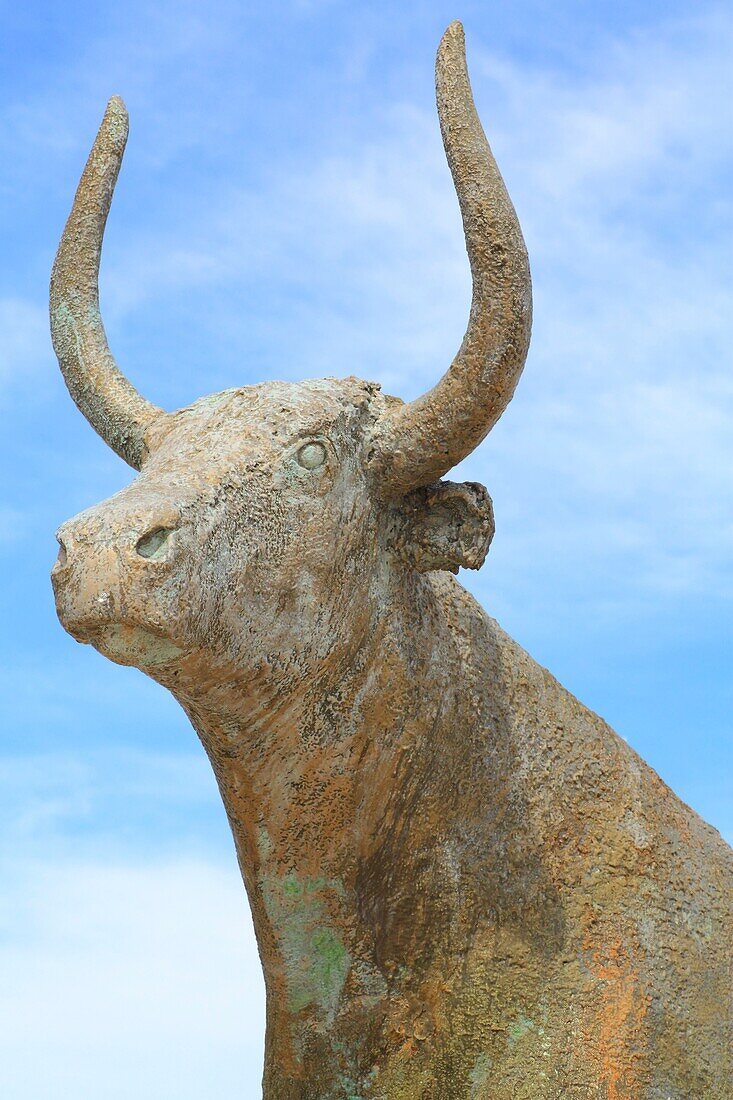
463,883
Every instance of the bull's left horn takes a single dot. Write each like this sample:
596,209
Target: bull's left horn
110,403
419,442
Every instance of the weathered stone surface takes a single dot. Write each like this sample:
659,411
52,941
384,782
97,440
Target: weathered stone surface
464,885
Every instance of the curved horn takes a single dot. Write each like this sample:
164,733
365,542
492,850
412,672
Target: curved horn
110,403
421,441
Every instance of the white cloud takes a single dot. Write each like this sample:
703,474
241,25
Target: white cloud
615,454
126,967
123,980
76,802
624,418
126,975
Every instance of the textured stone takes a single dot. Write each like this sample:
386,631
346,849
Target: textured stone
464,885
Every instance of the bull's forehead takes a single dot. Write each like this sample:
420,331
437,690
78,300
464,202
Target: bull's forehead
258,422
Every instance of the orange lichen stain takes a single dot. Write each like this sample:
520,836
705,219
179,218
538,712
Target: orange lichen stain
615,1035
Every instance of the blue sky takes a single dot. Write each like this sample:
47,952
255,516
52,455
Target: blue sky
284,211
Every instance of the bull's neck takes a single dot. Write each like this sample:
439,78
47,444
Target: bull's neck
298,756
305,770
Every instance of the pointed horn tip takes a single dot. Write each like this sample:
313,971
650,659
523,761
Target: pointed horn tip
453,35
451,53
116,106
116,120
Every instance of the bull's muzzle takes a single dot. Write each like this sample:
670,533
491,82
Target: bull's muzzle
109,579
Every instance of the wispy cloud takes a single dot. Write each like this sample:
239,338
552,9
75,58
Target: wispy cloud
335,249
106,799
140,980
616,451
123,961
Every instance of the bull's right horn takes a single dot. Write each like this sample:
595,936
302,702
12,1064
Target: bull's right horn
110,403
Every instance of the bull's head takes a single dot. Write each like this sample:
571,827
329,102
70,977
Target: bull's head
263,516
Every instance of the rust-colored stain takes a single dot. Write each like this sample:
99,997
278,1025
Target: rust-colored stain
616,1037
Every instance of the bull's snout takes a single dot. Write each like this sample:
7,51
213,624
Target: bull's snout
109,570
76,539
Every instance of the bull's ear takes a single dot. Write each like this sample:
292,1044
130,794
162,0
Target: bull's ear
445,526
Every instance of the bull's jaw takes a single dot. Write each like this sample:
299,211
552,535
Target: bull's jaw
134,645
125,643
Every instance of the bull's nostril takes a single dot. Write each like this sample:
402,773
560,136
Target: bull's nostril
153,545
61,559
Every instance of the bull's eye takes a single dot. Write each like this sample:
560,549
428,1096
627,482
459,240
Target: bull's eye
312,455
152,545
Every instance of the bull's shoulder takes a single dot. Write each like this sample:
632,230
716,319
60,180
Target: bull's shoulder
587,863
575,777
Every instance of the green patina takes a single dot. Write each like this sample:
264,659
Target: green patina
519,1028
326,964
136,646
479,1075
264,842
315,959
350,1087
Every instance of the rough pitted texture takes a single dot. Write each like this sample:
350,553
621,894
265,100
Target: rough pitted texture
464,885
